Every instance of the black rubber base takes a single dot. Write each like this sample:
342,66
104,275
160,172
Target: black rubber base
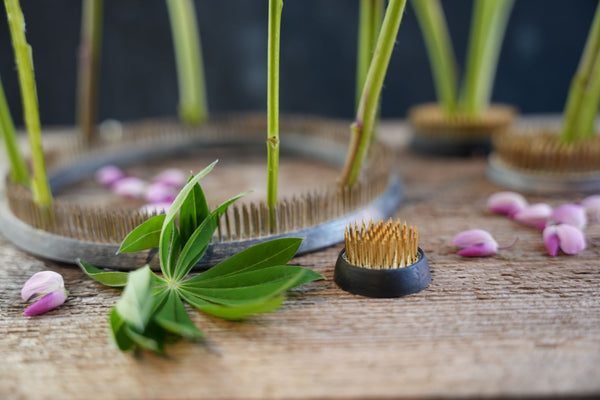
382,282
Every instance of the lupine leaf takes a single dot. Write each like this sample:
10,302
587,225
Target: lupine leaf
112,279
193,211
268,254
118,332
168,249
173,317
145,236
153,338
234,312
136,304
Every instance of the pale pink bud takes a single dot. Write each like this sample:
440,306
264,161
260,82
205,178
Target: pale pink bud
475,243
571,214
40,284
108,175
130,187
591,204
48,288
47,303
171,177
564,236
535,215
507,203
160,193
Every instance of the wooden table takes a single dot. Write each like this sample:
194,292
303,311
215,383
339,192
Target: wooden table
517,324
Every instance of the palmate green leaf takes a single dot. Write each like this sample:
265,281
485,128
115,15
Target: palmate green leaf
145,236
136,304
169,249
196,246
118,331
152,339
234,312
112,279
263,284
173,317
193,211
268,254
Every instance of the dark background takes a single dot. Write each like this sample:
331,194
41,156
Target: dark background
541,50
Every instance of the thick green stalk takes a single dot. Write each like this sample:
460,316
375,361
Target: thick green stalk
370,18
89,68
487,31
439,48
188,56
275,8
18,168
362,128
584,94
24,58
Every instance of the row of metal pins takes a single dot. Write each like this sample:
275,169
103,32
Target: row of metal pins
382,246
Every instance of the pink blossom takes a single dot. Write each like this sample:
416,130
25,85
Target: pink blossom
507,203
171,177
591,204
47,288
564,236
160,193
475,243
109,175
534,215
130,187
571,214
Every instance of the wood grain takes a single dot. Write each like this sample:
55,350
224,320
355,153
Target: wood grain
516,324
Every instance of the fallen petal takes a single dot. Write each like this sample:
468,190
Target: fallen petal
42,283
507,203
479,250
130,187
47,303
535,215
571,239
171,177
472,237
109,175
571,214
551,240
160,193
591,204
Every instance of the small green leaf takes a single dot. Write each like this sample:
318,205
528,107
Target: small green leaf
169,249
118,332
268,254
153,339
145,236
193,211
136,304
234,312
112,279
255,292
174,318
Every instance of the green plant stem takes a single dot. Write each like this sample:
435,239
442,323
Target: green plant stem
24,58
439,48
362,128
89,68
188,55
584,93
275,8
487,31
18,168
370,18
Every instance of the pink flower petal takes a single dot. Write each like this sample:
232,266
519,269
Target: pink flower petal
471,237
551,240
130,187
591,204
571,214
479,250
507,203
47,303
109,175
171,177
42,283
572,240
160,193
535,215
